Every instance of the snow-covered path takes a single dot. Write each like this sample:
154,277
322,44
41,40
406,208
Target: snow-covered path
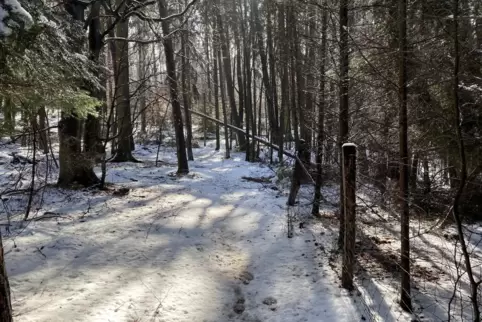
196,248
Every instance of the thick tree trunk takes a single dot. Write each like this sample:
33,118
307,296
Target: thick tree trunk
123,102
247,77
9,114
343,116
474,285
74,166
321,116
182,163
92,142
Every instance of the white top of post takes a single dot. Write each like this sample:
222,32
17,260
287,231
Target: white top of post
348,144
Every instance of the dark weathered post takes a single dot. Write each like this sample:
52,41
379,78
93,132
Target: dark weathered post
349,187
298,173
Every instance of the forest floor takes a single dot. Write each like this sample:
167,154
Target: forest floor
209,246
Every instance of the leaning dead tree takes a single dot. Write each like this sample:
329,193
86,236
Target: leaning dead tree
260,140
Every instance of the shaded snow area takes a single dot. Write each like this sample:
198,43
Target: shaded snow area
209,246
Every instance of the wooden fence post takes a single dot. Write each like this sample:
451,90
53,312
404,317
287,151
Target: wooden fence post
349,187
298,174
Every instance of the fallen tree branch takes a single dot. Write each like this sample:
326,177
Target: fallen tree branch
275,147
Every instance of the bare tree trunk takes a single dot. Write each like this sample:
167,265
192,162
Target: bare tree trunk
300,88
223,105
294,109
321,116
186,93
330,126
123,101
182,163
216,96
260,121
239,74
463,168
344,108
92,143
226,55
142,73
272,73
284,77
248,98
44,132
405,296
426,176
9,114
270,106
74,166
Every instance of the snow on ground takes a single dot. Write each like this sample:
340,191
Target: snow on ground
436,265
205,247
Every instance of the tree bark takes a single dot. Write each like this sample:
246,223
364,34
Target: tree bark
344,108
216,95
272,73
123,101
92,125
284,77
74,166
186,93
226,55
223,105
44,132
474,286
321,117
270,106
142,73
414,172
405,296
182,163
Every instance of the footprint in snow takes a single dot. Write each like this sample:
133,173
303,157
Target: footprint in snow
246,277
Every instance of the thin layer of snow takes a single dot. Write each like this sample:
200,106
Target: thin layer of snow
6,22
4,29
348,144
175,249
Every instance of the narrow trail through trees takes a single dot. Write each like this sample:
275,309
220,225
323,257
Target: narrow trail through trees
204,247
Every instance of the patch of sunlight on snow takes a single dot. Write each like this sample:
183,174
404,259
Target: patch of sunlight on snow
215,212
201,202
233,197
222,169
190,218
